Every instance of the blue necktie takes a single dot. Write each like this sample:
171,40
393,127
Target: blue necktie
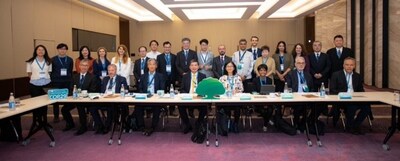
339,53
110,86
81,81
254,54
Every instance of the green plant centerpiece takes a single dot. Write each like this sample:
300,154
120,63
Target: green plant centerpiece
209,88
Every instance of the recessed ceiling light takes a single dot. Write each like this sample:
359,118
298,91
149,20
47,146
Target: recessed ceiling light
214,13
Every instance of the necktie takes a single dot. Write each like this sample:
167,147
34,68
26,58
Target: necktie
81,80
254,54
339,53
168,60
194,82
142,64
186,54
110,86
302,79
317,56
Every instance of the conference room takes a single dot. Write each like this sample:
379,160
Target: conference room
199,80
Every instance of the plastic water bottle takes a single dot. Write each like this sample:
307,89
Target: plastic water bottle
75,93
172,91
122,92
229,92
286,89
11,102
322,91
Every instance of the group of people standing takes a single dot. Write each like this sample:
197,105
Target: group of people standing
246,71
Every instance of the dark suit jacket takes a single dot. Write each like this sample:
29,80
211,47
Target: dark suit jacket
257,83
322,66
186,81
137,69
338,82
217,66
258,51
293,81
158,82
98,67
162,66
90,83
336,62
119,81
181,66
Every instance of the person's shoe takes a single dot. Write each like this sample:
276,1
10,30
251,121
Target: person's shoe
148,132
81,131
187,129
99,130
265,128
68,127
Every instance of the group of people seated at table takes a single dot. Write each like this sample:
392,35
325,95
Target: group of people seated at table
246,71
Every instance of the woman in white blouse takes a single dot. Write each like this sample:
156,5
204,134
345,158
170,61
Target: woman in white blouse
230,79
38,68
123,63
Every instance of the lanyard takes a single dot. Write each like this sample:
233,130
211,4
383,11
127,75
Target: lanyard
241,56
348,77
204,58
142,64
119,64
103,64
263,82
231,81
41,67
168,59
281,59
151,80
264,61
65,60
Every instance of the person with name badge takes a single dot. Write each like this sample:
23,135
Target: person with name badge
205,58
61,75
348,80
261,80
300,81
140,66
283,64
266,59
39,68
243,59
101,63
150,83
123,63
110,84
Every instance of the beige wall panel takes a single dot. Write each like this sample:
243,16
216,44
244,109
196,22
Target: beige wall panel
6,39
394,47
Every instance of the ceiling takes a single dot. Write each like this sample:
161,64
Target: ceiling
187,10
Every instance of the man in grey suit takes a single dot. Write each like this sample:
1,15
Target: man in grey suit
205,58
219,62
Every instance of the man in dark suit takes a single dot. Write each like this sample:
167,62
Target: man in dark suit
338,54
319,66
300,82
189,84
166,66
254,49
140,66
184,57
84,81
350,81
150,83
111,84
219,62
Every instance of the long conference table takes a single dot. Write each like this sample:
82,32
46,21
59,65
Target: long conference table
386,98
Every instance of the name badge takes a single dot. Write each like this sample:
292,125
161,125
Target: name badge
42,74
141,72
168,68
282,67
240,66
109,92
103,73
63,72
150,89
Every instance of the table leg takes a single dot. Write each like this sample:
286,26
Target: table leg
392,128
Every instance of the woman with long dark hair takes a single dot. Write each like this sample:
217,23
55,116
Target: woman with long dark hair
84,53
